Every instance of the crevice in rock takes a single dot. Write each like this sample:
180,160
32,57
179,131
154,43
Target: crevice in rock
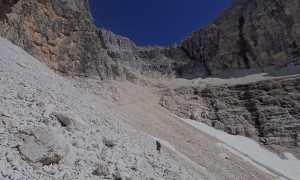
5,8
243,43
295,49
100,36
186,52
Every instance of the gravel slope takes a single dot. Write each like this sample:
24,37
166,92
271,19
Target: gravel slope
138,106
32,96
126,115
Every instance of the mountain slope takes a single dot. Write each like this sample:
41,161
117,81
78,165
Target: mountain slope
55,127
50,129
35,101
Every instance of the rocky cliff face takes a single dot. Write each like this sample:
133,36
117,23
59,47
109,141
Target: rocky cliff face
249,34
267,110
152,61
60,33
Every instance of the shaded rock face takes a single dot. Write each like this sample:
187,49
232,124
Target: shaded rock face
60,33
249,34
152,61
267,110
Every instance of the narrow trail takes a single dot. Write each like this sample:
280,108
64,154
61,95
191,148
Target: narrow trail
148,116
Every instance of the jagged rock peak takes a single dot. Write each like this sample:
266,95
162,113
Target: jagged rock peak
249,34
109,40
60,33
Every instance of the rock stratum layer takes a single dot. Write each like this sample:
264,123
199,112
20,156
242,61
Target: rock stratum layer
59,33
249,34
266,110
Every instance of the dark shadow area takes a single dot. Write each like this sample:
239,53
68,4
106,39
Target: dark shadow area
5,8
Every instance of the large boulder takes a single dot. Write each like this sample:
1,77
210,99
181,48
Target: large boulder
109,141
43,145
102,169
72,120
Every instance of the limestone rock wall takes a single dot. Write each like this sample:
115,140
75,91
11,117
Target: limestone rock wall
60,33
267,110
151,61
249,34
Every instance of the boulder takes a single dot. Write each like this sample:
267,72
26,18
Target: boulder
32,150
102,169
7,122
48,110
156,178
45,146
2,130
123,175
72,120
109,141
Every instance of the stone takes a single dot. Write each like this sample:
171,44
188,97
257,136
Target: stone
38,166
67,176
123,175
110,177
17,176
3,164
223,156
46,147
156,178
102,169
109,141
9,172
32,150
71,120
48,110
70,156
2,130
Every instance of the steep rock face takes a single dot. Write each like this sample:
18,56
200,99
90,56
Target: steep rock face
249,34
268,110
60,33
151,61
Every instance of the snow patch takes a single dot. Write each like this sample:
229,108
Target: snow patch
244,147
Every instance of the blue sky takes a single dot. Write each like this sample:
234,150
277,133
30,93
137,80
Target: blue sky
155,22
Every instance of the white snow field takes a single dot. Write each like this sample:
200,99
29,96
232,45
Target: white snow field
252,152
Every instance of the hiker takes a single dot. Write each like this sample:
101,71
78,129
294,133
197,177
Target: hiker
158,147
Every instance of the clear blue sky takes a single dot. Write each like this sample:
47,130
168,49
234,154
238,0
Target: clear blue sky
155,22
